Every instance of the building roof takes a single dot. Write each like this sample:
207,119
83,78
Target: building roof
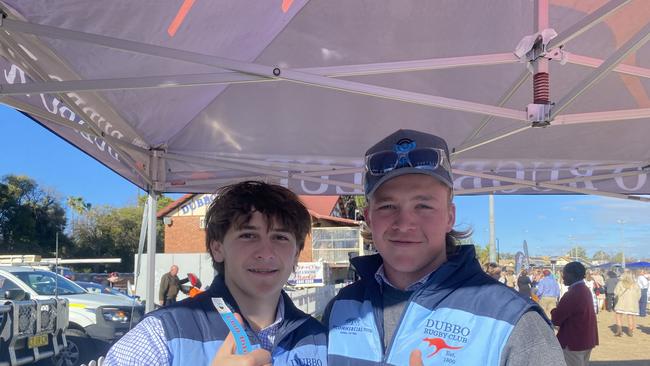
174,205
319,207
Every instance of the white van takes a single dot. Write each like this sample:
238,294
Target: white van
95,320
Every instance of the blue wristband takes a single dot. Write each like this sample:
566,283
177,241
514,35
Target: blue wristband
242,343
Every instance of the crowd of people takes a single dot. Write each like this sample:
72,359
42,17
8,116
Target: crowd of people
573,299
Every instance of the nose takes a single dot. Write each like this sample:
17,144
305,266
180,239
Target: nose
265,250
404,221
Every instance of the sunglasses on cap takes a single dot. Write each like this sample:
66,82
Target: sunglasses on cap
427,158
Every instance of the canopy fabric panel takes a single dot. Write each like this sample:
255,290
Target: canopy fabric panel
187,96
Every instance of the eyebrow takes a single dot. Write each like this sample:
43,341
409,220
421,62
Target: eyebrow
253,227
420,197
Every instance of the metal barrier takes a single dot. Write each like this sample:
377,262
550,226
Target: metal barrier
313,300
23,326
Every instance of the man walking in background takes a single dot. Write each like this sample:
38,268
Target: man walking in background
576,317
548,291
169,286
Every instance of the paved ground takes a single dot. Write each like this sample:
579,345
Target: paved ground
625,350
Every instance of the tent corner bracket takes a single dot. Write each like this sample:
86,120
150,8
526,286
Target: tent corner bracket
539,115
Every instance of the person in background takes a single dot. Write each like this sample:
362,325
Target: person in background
548,291
493,270
423,294
599,289
194,287
643,282
610,285
510,279
592,285
576,318
627,302
170,285
524,284
254,234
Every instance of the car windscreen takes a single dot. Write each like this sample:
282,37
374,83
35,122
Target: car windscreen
48,283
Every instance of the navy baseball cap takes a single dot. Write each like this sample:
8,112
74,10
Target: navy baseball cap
407,152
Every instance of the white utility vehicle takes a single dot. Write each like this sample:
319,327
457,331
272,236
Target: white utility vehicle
95,320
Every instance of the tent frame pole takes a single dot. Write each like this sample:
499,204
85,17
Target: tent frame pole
151,251
267,71
636,42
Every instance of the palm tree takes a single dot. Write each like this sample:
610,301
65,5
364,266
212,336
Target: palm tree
79,207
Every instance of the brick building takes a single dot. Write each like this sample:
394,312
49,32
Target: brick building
333,240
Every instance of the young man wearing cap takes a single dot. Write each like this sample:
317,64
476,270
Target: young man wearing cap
424,300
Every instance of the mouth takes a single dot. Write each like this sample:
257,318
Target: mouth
262,271
405,243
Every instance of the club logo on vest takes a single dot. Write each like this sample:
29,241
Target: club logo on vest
353,326
439,344
306,362
446,332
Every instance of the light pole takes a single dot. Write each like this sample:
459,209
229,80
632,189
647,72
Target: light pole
622,222
571,247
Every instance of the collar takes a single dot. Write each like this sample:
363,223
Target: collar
577,283
380,277
460,265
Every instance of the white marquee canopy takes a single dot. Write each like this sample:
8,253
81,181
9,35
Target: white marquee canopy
534,97
183,97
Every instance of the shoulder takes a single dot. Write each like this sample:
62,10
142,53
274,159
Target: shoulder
145,344
532,336
193,318
355,290
483,296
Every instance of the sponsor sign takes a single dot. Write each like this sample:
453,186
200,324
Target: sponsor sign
308,274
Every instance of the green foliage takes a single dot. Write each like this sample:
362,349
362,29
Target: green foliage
601,256
577,251
30,217
108,232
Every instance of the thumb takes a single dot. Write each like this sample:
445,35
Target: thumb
227,348
415,359
260,357
239,318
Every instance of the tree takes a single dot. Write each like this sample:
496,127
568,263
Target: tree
578,252
78,206
601,256
30,217
107,231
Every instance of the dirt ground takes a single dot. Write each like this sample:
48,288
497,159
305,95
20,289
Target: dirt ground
625,350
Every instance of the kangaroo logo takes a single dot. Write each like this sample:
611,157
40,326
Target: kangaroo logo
440,344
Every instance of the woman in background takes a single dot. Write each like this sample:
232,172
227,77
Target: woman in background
627,302
523,283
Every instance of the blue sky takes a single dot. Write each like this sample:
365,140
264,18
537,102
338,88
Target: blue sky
550,224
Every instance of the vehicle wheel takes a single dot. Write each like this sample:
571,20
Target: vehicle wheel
80,350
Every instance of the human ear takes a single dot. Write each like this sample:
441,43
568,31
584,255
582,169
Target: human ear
452,217
216,248
366,214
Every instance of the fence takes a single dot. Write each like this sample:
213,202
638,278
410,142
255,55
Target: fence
312,300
